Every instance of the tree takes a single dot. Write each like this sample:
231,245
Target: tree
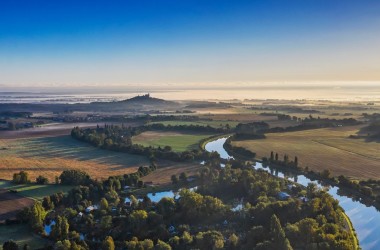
74,177
326,173
251,129
37,216
286,159
279,239
175,242
42,180
21,178
138,219
271,156
10,245
134,201
210,240
147,244
311,189
47,203
108,243
308,227
233,241
174,179
103,204
106,222
183,177
276,157
186,238
62,245
166,206
60,230
162,246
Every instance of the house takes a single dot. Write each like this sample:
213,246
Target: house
172,230
127,202
283,196
91,208
304,199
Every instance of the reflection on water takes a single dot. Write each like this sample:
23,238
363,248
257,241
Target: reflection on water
217,146
366,220
48,227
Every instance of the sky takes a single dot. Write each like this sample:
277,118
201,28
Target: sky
188,43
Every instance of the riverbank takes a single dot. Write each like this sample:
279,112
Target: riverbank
303,180
202,143
351,231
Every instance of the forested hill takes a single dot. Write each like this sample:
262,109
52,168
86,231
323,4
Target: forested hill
147,100
137,103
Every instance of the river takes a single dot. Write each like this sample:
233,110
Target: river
366,220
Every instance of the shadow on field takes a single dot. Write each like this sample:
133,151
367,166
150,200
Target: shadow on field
67,147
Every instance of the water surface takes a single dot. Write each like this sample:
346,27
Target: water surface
366,220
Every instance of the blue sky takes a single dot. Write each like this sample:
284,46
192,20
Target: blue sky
186,42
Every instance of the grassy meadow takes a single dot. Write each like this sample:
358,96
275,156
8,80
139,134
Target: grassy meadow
49,156
22,235
162,176
319,149
33,191
179,141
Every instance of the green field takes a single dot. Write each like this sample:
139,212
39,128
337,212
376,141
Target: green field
37,192
215,124
22,235
179,141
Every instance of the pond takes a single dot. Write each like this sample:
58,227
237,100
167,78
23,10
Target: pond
157,196
366,220
47,227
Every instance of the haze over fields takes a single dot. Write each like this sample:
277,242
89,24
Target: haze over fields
337,91
190,124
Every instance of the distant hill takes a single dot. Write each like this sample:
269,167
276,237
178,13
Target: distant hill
140,100
137,103
146,100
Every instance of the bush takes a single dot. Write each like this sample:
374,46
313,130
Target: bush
42,180
20,178
74,177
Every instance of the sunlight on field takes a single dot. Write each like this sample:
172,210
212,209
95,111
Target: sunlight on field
33,191
179,141
51,155
323,149
166,169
